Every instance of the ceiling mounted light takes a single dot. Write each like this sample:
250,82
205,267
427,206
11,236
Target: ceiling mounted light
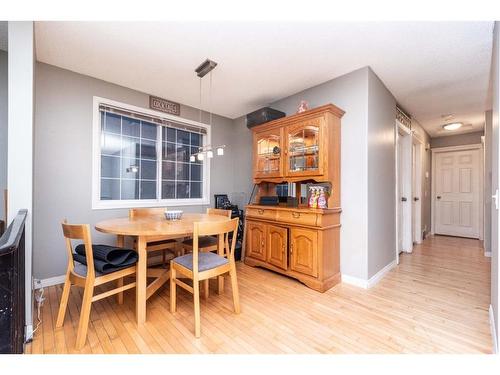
210,154
192,158
453,126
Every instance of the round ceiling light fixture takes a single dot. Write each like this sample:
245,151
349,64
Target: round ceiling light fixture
453,126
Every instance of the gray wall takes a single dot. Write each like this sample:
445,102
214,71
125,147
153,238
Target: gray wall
457,140
421,134
63,159
381,175
3,128
495,172
349,92
487,180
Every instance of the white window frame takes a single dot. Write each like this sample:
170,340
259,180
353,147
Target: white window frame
98,204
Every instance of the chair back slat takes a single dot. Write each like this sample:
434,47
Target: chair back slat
145,212
79,232
218,211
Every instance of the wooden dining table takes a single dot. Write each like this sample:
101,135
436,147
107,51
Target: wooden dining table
149,229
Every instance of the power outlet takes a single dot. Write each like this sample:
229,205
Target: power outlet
37,284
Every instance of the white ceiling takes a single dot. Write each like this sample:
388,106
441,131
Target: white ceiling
432,68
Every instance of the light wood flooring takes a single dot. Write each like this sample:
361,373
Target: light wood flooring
435,301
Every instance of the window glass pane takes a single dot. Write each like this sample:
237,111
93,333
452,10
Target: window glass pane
112,123
148,170
148,130
110,166
196,172
128,168
148,149
196,139
182,190
168,151
183,153
148,190
195,190
168,190
168,170
110,144
131,127
168,134
129,160
130,147
182,171
183,137
130,189
110,189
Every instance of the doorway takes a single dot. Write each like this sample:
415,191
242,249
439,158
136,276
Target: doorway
404,242
457,191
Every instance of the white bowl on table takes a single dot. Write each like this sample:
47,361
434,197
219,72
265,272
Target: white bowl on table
173,214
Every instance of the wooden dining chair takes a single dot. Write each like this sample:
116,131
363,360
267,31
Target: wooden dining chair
205,244
156,244
199,266
86,277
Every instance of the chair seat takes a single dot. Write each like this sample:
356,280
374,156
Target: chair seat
81,269
206,261
204,241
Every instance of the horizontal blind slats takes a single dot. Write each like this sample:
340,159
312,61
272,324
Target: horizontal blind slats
153,119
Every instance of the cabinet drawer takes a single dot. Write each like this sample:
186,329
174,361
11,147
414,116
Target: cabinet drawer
297,217
261,213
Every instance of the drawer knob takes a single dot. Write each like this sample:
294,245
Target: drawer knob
296,214
261,212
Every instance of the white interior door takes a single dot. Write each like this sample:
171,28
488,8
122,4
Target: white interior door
457,193
404,192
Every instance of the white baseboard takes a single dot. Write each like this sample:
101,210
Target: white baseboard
493,331
372,281
487,254
355,281
51,281
380,274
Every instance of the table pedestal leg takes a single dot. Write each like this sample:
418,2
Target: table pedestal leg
141,281
120,241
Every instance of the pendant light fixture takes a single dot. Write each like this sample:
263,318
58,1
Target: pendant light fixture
202,70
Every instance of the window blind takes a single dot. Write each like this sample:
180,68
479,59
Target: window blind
153,119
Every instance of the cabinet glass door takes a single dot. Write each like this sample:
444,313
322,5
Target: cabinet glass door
304,149
268,154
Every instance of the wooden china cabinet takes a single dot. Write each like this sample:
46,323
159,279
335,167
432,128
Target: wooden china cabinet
300,242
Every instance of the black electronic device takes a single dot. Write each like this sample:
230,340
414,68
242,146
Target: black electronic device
272,200
262,116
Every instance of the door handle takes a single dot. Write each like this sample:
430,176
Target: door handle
438,197
403,199
416,199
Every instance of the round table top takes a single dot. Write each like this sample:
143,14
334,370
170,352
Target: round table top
155,225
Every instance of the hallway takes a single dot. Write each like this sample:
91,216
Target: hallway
435,301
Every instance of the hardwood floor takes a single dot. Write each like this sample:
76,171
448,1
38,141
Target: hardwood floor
435,301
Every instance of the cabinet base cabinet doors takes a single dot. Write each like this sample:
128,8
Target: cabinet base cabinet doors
256,240
277,246
304,251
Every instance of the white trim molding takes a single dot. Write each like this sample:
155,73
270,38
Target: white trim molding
56,280
380,274
493,330
487,254
372,281
355,281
